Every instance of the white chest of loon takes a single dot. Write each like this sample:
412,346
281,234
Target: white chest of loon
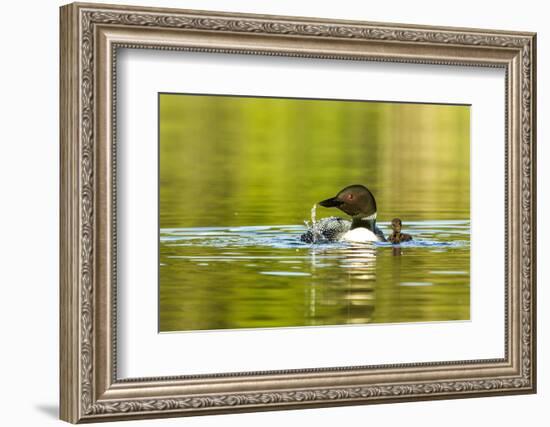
334,229
360,235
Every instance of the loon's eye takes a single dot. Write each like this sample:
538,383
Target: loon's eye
350,196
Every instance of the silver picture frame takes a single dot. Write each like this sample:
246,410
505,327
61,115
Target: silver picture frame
90,37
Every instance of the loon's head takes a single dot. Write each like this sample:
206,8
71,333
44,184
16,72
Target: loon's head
355,200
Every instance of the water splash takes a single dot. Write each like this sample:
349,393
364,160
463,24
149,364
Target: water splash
313,221
325,230
312,226
313,214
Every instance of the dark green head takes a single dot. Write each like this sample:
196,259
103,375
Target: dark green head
355,200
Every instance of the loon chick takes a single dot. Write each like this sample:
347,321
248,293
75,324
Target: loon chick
358,202
397,237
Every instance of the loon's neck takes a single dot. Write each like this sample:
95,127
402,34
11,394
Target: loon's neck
368,222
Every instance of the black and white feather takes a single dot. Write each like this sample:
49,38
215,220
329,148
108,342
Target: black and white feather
326,230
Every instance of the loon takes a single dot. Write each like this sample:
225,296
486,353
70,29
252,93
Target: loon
358,202
397,237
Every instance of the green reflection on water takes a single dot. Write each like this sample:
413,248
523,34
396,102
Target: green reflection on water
234,162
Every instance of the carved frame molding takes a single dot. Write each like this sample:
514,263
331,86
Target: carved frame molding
90,37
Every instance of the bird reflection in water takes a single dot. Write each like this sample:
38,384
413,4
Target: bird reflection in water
396,251
354,300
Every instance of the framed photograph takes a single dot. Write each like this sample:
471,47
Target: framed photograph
266,212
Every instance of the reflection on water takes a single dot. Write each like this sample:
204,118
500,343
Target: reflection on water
263,276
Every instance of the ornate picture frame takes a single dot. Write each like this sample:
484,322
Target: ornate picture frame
90,37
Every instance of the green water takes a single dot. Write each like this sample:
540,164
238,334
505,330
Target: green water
238,177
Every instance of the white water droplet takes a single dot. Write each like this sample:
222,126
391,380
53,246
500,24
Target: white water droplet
313,213
313,219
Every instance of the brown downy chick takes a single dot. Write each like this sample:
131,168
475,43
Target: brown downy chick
397,237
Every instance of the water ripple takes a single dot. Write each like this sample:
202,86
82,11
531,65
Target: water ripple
426,234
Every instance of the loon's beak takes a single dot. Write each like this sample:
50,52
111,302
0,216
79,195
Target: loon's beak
333,202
